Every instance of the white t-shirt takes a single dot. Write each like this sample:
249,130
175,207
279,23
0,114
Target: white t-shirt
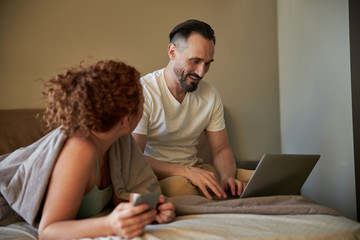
173,128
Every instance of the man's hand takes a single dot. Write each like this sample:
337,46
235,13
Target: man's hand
235,186
205,180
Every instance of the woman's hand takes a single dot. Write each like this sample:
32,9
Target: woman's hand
166,211
130,221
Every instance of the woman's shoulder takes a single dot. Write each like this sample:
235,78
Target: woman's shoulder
79,149
77,142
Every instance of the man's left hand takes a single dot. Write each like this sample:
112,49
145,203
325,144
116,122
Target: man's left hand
235,186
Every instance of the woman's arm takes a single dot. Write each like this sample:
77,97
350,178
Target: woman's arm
73,172
74,175
125,221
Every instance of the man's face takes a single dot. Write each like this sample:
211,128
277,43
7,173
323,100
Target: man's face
192,61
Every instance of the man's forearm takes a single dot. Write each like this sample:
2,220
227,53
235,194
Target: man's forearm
224,163
164,169
161,169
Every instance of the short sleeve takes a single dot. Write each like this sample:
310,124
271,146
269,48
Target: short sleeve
217,121
142,127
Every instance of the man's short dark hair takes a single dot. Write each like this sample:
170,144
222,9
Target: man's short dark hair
185,29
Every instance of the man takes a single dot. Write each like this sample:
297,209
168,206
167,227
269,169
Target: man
178,108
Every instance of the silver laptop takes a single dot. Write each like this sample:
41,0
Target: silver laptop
280,174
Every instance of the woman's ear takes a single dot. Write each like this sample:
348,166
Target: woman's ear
126,121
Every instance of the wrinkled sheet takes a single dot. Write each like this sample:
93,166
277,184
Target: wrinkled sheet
275,205
25,173
19,231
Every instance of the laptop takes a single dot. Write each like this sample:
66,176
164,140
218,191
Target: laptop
280,174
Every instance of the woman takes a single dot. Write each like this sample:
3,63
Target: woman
94,107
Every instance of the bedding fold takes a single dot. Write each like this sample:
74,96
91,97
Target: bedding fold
271,205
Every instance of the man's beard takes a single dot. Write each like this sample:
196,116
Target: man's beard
193,85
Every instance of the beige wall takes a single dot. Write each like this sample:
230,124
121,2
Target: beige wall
315,93
40,38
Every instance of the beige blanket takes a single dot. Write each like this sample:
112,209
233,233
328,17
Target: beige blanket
25,173
275,205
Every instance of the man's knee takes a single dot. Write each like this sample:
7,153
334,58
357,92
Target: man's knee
177,185
243,175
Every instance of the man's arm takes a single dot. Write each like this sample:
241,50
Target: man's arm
141,140
161,169
224,161
199,177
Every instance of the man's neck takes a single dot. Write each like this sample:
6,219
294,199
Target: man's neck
173,84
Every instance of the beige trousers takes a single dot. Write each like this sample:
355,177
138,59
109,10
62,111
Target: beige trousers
178,185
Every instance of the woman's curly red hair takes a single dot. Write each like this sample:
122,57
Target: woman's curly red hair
93,98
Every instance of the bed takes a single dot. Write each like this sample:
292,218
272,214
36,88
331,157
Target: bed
279,217
276,217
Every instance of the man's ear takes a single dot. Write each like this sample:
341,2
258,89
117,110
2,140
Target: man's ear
172,51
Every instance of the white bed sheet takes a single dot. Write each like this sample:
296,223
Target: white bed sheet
231,226
253,226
